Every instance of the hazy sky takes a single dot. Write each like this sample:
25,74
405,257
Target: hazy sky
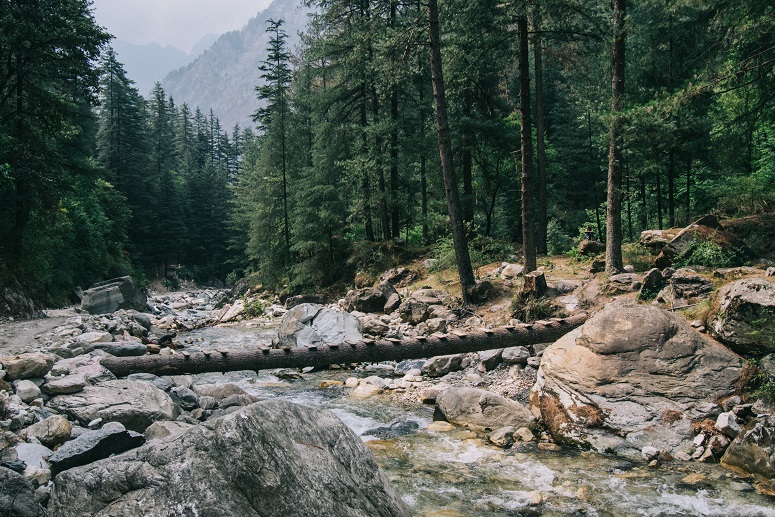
178,23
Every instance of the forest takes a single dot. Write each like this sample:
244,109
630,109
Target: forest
343,169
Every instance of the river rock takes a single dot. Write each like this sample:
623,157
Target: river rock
92,446
314,325
744,317
164,429
684,287
26,366
66,385
120,348
112,295
271,458
503,437
481,410
17,496
51,431
515,355
373,325
27,390
33,454
491,358
632,376
442,365
136,404
753,451
726,423
367,299
419,305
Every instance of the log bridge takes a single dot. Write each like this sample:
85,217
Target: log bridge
364,351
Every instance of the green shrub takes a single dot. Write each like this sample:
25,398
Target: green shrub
254,309
710,254
557,241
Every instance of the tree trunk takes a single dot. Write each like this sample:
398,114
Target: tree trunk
688,191
542,218
465,271
613,237
366,350
671,187
395,216
468,160
526,141
366,185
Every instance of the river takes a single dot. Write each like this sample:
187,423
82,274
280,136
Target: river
455,473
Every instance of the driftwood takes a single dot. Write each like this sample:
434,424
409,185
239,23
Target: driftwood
367,350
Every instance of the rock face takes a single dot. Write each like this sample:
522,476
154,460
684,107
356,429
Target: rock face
310,324
112,295
745,318
481,410
685,287
136,404
271,458
632,376
753,451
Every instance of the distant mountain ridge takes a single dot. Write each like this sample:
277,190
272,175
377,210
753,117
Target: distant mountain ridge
223,78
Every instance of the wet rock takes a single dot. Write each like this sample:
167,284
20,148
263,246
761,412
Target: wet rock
50,432
503,437
718,444
753,451
269,458
313,325
27,366
632,376
481,409
394,430
442,365
92,446
17,496
404,367
744,317
366,390
112,295
135,404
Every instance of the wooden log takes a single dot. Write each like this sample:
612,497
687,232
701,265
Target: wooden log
367,350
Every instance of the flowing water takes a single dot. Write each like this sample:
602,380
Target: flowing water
453,474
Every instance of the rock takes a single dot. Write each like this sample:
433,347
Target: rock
442,365
166,429
64,386
88,338
744,317
135,404
726,423
502,437
429,263
597,266
231,312
655,240
311,298
417,307
17,496
705,229
313,325
52,431
649,453
523,434
770,271
588,247
405,367
480,409
398,277
623,283
392,304
271,458
33,454
632,376
368,299
92,446
652,284
718,444
684,288
482,291
120,348
753,451
366,390
27,366
162,384
184,397
372,325
27,390
439,426
436,324
629,268
490,358
511,271
112,295
515,355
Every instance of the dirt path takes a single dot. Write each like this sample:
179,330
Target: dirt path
22,336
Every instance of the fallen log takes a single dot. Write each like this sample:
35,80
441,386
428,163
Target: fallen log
364,351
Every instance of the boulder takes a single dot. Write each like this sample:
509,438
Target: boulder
51,431
753,451
66,385
165,429
417,307
271,458
623,283
368,299
515,355
511,271
17,496
373,325
136,404
27,366
705,229
92,446
655,240
313,325
112,295
399,276
442,365
684,287
490,359
27,390
589,247
632,376
744,317
313,298
482,291
481,410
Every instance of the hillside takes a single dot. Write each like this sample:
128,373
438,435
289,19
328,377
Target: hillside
225,75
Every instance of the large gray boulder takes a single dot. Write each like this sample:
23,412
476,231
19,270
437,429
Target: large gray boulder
419,305
481,410
136,404
632,376
270,458
753,450
17,496
311,324
744,319
26,366
92,446
112,295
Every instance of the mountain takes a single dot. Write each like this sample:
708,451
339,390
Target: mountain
224,77
146,64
